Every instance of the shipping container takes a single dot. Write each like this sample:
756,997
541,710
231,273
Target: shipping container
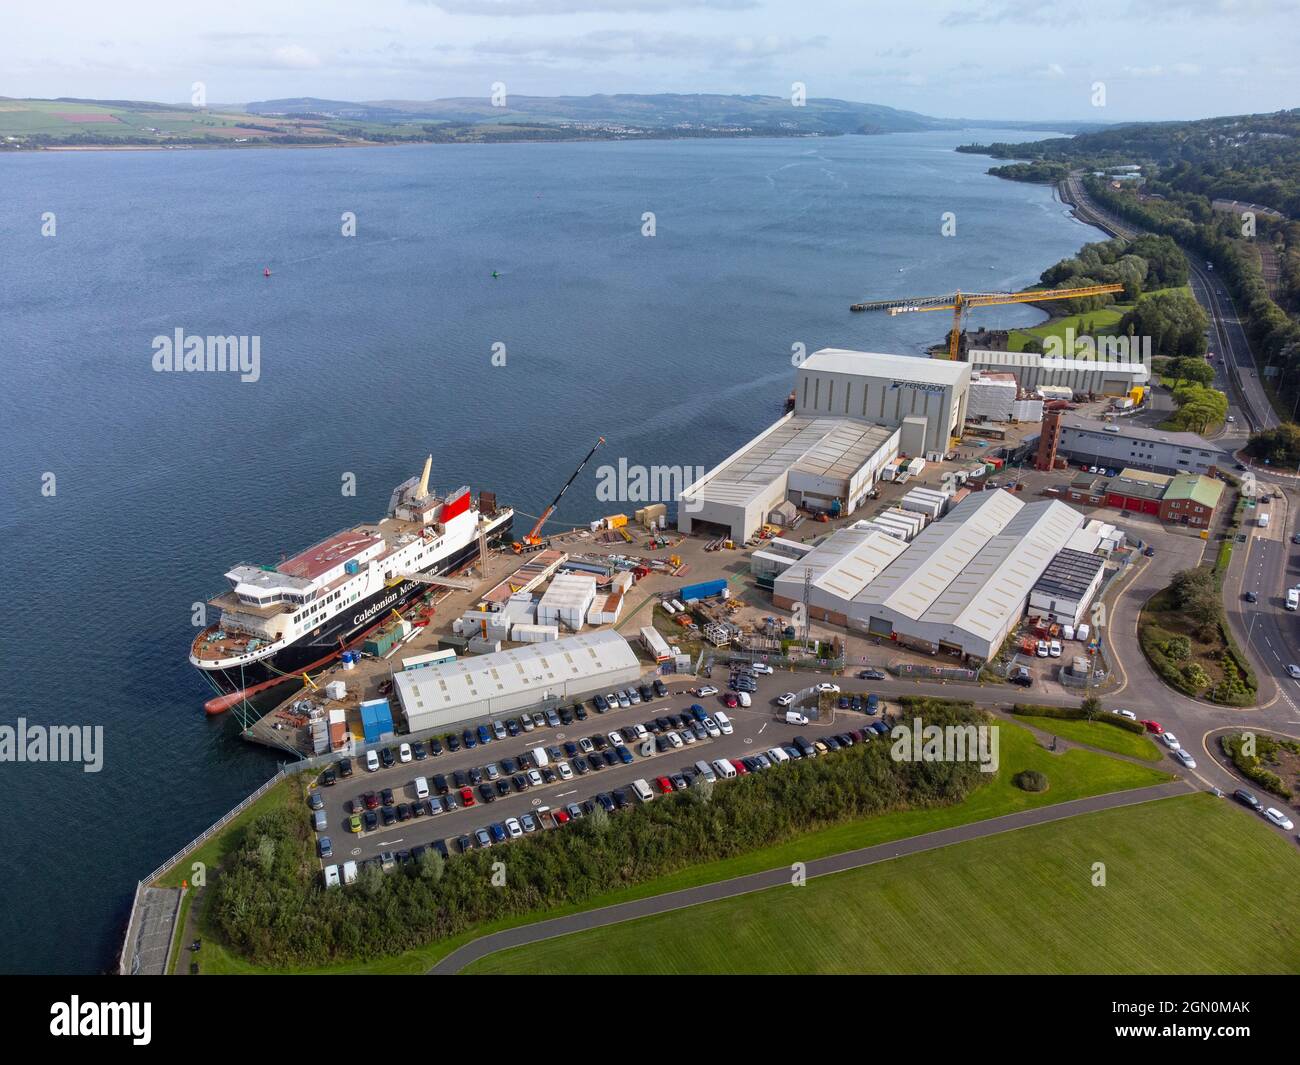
703,590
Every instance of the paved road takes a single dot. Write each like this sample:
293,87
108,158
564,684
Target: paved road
773,878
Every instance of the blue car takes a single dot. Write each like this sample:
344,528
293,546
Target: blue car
873,704
467,737
484,736
498,832
624,754
881,728
699,712
324,847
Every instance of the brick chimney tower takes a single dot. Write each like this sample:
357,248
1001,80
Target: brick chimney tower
1048,440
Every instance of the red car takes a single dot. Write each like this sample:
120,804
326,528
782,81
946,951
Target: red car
371,800
1153,726
466,797
561,817
731,700
740,767
665,785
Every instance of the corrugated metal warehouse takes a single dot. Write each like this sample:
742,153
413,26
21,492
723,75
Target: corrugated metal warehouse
808,460
502,683
960,587
885,389
1102,376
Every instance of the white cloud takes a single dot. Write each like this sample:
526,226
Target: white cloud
295,57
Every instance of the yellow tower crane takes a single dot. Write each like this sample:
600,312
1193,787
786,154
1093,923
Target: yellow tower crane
961,303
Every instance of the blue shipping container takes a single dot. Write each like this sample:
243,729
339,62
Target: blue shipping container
376,719
703,590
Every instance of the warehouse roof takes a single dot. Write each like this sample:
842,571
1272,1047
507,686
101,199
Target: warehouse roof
568,590
845,563
913,368
998,580
1069,575
828,447
1128,431
1193,486
520,669
941,552
978,357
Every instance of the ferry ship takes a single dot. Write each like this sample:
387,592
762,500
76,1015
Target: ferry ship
278,622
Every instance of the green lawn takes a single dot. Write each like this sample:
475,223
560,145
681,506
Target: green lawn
1193,885
1073,774
1104,322
1098,734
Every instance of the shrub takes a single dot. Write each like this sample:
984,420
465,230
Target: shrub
1031,780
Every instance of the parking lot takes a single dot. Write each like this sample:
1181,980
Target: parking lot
753,731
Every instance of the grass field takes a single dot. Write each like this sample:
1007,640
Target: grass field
1104,322
1191,885
1073,774
1098,734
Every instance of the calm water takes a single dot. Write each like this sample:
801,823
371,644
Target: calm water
376,350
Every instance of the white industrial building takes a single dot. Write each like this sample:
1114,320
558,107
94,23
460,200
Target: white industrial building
959,588
439,696
811,461
1067,586
962,590
1103,376
886,389
839,569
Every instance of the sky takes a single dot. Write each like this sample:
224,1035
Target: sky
988,59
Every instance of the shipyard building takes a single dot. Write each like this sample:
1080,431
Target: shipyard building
854,414
1102,376
440,695
1088,442
960,587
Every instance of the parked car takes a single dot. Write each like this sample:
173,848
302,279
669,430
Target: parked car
1054,648
1152,726
1273,814
1185,758
826,686
762,668
1171,741
731,701
483,838
1126,713
1293,671
871,674
1041,649
786,699
1248,800
793,717
345,767
707,690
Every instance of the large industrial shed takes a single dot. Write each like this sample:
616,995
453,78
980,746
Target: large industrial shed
491,685
811,461
885,389
964,592
1102,376
960,587
837,571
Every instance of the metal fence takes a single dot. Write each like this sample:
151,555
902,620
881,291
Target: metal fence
283,772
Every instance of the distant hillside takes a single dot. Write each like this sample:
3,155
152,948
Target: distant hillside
69,122
1255,158
661,111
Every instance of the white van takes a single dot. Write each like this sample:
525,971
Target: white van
421,788
349,872
642,791
724,722
706,771
331,876
793,717
1263,521
777,755
372,762
724,768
